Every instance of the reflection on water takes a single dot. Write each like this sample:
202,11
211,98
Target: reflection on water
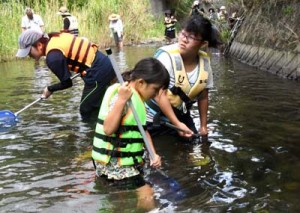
249,163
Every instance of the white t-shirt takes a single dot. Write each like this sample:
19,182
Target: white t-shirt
35,24
116,27
165,59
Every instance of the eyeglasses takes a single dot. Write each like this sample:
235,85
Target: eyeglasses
189,38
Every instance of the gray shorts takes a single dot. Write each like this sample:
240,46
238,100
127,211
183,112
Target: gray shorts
117,38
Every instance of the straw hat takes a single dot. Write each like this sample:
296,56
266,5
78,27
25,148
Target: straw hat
222,8
195,3
63,11
113,17
28,10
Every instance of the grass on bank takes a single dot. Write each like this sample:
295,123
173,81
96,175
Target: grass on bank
139,23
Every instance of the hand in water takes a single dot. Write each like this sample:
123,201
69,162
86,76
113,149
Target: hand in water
187,133
203,131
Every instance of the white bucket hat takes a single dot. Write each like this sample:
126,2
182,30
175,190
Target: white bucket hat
63,11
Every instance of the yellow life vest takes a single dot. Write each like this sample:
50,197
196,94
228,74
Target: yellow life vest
181,78
169,23
79,51
127,143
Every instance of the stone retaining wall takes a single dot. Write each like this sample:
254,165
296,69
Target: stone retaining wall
283,63
269,38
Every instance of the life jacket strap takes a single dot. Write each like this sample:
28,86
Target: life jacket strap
94,164
178,91
71,48
117,154
78,53
125,128
86,53
74,65
119,142
153,105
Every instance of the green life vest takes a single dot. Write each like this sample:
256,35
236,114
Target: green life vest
182,90
127,143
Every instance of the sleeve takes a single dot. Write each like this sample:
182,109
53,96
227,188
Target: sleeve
210,81
41,23
23,23
121,25
165,59
57,63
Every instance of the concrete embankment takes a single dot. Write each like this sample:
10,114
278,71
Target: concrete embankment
269,38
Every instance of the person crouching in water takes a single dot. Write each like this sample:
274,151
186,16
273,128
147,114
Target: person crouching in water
118,146
190,78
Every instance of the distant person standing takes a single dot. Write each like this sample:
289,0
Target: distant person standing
32,21
169,22
223,15
213,16
70,22
116,29
197,8
223,19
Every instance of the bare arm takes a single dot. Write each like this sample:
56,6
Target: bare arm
113,118
165,106
203,108
156,162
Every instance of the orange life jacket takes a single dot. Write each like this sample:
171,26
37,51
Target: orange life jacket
80,52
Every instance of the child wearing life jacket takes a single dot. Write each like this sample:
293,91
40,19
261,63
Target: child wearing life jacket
118,146
190,78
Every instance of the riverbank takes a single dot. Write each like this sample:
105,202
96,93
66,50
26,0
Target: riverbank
268,39
92,17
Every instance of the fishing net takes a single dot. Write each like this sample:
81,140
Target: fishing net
7,119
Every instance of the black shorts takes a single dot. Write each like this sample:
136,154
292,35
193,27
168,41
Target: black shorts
130,183
170,33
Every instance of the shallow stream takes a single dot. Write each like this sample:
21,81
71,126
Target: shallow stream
250,162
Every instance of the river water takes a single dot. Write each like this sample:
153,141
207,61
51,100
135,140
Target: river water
250,162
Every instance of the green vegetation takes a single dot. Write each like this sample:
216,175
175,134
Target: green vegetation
139,23
288,10
92,16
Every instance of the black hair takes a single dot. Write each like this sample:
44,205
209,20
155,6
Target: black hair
54,34
44,40
211,9
151,70
168,12
46,37
202,27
